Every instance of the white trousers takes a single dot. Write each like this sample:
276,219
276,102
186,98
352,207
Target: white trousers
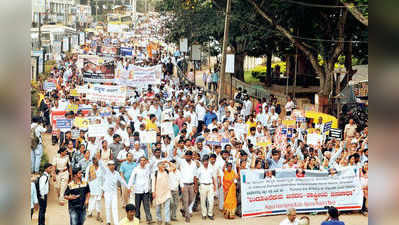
207,193
221,197
111,202
94,204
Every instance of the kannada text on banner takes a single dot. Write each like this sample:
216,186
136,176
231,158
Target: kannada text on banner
269,195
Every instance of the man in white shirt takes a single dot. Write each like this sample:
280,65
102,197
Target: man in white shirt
137,152
200,110
140,181
110,187
188,170
291,220
207,188
36,154
174,183
289,106
44,186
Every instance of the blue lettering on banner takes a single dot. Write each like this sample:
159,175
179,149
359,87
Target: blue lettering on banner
63,124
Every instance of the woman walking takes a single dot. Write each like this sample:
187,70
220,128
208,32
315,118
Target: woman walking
229,189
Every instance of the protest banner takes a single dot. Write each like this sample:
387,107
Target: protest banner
74,93
56,115
75,133
148,137
97,130
49,86
136,76
124,51
63,123
213,140
107,94
272,195
289,123
241,129
72,107
314,139
167,129
263,141
81,122
98,70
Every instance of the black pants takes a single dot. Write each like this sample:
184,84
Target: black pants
215,85
145,198
364,208
31,213
42,210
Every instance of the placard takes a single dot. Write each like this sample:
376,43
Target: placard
196,52
97,130
148,137
230,63
314,139
49,86
336,133
72,107
65,44
183,45
167,129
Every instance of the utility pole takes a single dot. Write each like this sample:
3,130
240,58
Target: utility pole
40,31
225,40
296,69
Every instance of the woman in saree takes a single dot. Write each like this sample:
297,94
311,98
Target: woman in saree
229,189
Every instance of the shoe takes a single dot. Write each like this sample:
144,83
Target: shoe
204,218
90,215
174,219
182,212
159,222
99,219
108,223
187,219
211,218
150,222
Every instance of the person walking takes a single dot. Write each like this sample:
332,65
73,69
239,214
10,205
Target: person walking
44,187
34,201
37,129
188,169
126,170
161,193
94,176
215,79
229,189
140,181
110,188
207,188
204,78
77,194
62,165
174,183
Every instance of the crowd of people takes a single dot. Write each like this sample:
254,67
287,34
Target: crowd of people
192,168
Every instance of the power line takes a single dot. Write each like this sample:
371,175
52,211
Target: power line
320,5
324,40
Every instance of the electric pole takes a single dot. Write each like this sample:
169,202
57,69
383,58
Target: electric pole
224,50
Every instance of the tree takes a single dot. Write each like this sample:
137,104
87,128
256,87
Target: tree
203,21
323,29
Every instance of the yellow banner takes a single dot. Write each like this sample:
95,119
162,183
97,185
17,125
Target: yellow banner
74,92
81,122
73,107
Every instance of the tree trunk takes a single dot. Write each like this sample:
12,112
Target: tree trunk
348,65
239,66
268,78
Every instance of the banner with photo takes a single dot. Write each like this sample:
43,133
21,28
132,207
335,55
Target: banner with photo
136,76
107,50
274,191
106,93
97,69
